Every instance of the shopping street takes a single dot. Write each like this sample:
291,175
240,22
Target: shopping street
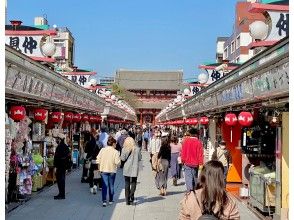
80,204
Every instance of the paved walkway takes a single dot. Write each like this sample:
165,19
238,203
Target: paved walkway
80,204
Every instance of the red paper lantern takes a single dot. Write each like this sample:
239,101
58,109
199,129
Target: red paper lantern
92,119
204,120
77,117
17,113
231,119
56,117
68,116
245,119
85,117
40,114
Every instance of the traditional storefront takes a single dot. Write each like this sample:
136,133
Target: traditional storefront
40,105
257,93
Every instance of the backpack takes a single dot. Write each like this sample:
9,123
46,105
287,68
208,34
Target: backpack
206,216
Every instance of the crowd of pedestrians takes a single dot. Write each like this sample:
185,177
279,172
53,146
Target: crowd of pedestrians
170,156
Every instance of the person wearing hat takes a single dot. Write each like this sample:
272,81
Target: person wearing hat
223,155
61,159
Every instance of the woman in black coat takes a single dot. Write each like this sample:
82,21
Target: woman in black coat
61,160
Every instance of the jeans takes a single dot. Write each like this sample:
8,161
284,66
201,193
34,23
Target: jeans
108,184
191,175
60,178
130,188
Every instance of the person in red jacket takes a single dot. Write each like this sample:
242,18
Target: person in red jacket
192,158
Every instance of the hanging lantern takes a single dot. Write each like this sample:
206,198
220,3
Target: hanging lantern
231,120
204,120
17,113
245,119
68,116
77,117
85,117
56,117
40,114
92,119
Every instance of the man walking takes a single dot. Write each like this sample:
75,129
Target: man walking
192,158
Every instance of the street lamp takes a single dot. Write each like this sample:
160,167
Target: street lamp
187,91
258,30
203,78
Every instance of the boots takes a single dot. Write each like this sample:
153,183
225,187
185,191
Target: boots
175,181
164,192
161,191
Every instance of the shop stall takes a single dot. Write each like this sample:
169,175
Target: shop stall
249,108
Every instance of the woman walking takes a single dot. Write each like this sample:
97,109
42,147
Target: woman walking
61,159
176,148
210,199
162,166
131,155
108,160
94,174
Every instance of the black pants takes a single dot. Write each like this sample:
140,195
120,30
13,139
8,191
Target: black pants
92,181
60,178
130,188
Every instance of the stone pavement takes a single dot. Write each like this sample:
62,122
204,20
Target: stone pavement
80,204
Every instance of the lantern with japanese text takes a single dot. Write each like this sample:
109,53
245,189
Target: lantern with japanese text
85,117
17,113
231,120
68,116
77,117
56,117
40,114
245,119
204,120
92,119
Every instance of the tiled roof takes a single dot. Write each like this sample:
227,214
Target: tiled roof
149,80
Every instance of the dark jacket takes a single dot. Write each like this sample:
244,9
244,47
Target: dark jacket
92,149
164,153
62,156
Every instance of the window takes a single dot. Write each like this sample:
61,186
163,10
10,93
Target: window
238,42
226,53
232,46
238,60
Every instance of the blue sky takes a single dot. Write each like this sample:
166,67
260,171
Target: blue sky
136,34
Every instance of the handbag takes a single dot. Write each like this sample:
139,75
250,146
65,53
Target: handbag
159,166
87,164
122,163
97,174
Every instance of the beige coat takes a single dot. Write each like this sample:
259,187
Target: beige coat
190,209
108,160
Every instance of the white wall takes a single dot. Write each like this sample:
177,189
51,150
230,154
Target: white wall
245,39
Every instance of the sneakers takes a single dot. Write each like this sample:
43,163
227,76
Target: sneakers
104,204
91,190
110,202
94,189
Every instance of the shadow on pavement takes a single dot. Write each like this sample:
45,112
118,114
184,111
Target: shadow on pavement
144,199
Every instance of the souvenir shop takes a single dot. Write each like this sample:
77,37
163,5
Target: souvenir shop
249,109
39,106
